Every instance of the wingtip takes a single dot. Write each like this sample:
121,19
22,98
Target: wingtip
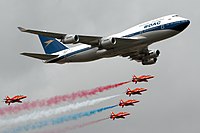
21,29
23,53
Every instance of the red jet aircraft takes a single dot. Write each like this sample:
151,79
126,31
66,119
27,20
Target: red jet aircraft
14,99
142,78
135,91
118,115
127,103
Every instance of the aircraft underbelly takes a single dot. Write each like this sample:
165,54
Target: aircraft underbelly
159,35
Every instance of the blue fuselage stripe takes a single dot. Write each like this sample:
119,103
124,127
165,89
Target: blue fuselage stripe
172,26
76,52
69,54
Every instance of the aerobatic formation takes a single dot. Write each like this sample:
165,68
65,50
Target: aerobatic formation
129,92
56,115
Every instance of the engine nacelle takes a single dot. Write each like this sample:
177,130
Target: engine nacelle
152,54
70,39
107,43
149,61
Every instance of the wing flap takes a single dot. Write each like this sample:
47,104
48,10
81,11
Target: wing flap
40,56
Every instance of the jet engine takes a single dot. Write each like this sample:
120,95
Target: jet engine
70,39
107,43
152,54
150,57
149,61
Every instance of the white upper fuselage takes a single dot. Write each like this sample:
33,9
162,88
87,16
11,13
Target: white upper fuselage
153,31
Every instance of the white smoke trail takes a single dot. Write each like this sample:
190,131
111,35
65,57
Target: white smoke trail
55,111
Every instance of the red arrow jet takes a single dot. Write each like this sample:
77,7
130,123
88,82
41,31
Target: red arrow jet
135,91
142,78
118,115
127,103
14,99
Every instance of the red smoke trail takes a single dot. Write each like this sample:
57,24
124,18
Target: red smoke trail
57,99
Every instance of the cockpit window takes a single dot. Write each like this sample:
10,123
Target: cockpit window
175,15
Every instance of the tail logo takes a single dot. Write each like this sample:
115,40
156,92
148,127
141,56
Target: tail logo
48,42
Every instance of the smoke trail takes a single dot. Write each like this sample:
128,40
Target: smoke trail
52,111
65,129
84,124
57,99
58,120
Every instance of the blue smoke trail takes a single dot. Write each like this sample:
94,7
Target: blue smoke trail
58,120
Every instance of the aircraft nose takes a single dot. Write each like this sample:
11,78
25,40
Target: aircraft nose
185,23
182,25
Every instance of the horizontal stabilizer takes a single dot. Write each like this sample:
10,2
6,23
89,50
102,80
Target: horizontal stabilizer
40,56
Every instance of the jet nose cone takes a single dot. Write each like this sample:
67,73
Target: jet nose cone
182,25
137,101
186,23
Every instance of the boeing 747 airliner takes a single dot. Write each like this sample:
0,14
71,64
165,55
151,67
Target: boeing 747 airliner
132,43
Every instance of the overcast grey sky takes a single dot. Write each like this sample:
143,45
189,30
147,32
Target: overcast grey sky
172,101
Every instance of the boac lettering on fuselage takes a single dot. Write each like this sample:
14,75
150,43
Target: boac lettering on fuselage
152,24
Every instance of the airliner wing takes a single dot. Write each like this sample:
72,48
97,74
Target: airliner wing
40,56
85,39
94,40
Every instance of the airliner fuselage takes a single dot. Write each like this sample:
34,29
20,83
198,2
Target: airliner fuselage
132,43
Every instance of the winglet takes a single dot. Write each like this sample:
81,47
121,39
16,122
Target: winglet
21,29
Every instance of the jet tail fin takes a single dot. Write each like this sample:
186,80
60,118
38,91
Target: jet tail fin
128,89
51,45
121,101
112,113
40,56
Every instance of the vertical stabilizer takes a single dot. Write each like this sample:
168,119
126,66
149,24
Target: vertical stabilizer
51,45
